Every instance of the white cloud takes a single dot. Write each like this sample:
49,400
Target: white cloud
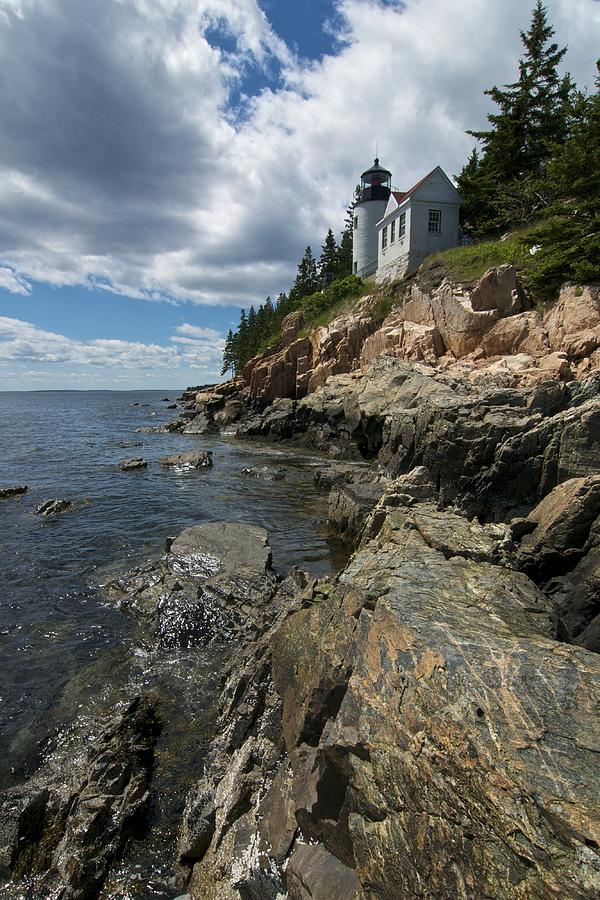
13,283
122,164
23,341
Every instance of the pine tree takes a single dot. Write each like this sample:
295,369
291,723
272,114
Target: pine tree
328,262
307,279
532,118
344,255
570,238
228,354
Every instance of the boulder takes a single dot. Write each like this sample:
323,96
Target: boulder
264,473
135,462
573,323
200,424
498,289
523,333
220,547
53,507
191,459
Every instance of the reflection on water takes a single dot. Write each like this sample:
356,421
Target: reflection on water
63,650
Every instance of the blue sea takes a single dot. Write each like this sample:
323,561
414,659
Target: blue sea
65,653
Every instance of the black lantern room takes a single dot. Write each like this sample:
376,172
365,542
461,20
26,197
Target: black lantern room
375,183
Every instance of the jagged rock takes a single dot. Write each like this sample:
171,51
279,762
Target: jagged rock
53,507
420,711
200,424
67,825
12,491
523,333
313,872
498,288
350,473
350,505
191,459
231,412
220,547
135,462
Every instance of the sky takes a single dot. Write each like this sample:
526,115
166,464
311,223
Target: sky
164,163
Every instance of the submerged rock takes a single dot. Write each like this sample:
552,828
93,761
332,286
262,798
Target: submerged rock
191,459
12,491
53,507
264,473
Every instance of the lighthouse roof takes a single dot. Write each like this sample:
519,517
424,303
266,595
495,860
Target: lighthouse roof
376,168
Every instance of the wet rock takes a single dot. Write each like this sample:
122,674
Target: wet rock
172,406
68,824
133,463
53,507
12,491
126,444
214,585
220,547
333,475
200,424
152,429
191,459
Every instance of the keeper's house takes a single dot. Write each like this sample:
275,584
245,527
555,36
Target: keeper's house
395,230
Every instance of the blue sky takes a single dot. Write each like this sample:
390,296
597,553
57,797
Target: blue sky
165,162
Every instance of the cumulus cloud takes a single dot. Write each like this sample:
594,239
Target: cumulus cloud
201,349
132,160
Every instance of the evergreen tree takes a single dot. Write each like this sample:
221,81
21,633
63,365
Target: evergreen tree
307,279
570,238
328,263
228,354
344,255
533,116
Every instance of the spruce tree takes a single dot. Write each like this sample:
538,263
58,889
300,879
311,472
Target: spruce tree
228,357
570,238
328,262
532,118
307,279
344,255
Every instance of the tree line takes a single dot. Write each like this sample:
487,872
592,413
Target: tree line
260,327
538,164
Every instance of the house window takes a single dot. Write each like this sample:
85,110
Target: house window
393,232
355,222
402,225
384,238
434,224
355,268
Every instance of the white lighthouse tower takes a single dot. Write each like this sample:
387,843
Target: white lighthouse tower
375,188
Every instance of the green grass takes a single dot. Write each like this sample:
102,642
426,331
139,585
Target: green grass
467,264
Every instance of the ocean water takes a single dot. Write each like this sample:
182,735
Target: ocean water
66,655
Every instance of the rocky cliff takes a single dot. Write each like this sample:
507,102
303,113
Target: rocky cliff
425,724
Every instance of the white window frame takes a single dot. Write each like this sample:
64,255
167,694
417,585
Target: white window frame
401,225
434,218
356,223
384,237
392,231
355,268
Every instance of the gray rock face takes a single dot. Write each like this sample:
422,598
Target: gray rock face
350,506
191,459
130,465
12,491
414,707
53,507
219,548
66,826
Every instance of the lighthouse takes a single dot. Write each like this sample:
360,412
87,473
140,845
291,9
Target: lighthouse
375,188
